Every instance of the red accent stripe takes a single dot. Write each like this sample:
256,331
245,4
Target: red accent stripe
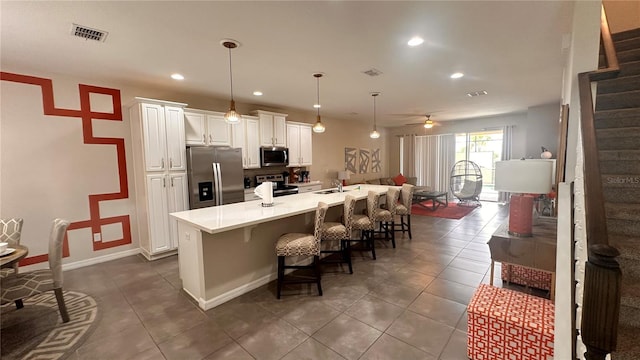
87,116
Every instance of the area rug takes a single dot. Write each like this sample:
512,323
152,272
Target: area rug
37,331
453,211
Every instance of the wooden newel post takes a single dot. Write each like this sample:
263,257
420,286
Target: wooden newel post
601,301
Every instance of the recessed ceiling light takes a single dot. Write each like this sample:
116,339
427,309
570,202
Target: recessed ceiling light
457,75
415,41
177,76
257,93
317,106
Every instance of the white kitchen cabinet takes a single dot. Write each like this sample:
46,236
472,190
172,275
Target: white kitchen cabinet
273,128
159,158
245,136
206,128
299,142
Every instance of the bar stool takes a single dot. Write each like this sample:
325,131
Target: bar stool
366,224
341,232
404,208
297,244
386,217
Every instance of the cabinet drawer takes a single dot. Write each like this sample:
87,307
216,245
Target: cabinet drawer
304,189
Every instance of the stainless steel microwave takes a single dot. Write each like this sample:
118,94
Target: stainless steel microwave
274,156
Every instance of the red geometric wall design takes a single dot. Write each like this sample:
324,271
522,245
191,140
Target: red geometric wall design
86,116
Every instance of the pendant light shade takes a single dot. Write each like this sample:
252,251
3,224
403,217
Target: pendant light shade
318,127
428,124
374,134
231,116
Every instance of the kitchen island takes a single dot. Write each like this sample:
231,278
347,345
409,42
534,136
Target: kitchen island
226,251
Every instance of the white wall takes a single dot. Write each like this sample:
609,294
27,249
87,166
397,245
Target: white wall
622,15
47,171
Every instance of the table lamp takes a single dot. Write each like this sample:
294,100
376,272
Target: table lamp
343,176
524,178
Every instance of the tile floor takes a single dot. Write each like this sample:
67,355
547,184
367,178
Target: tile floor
410,303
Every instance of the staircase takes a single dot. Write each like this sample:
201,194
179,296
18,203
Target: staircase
617,118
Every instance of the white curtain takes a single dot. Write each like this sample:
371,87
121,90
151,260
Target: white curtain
434,158
408,155
507,135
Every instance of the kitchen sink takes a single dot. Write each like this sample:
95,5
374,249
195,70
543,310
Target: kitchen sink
331,191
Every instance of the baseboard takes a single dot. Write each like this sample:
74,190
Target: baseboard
220,299
99,259
152,257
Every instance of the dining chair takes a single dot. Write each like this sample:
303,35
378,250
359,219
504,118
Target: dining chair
404,209
24,285
366,224
386,217
10,231
335,231
300,244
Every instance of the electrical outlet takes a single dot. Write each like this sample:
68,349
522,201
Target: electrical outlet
97,237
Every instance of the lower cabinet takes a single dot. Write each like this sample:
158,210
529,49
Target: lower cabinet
308,187
166,193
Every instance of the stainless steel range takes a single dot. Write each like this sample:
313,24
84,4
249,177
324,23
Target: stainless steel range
279,188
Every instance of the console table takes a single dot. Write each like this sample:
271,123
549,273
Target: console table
535,252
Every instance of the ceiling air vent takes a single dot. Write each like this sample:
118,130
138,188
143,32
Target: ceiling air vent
372,72
477,93
88,33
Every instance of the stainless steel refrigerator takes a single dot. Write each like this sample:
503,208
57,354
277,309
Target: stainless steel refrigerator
215,176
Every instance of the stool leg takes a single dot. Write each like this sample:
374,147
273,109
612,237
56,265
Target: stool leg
372,244
409,225
347,254
280,274
316,265
393,234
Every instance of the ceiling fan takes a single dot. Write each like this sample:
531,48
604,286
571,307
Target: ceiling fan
427,123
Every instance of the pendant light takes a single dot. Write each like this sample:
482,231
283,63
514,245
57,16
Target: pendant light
318,127
374,134
231,116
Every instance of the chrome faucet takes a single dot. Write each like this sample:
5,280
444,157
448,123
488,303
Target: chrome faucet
337,183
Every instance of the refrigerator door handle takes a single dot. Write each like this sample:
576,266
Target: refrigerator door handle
217,181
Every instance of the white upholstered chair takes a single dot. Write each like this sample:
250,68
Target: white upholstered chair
23,285
403,209
366,224
386,217
335,231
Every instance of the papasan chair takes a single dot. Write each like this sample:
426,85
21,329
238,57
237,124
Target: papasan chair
466,183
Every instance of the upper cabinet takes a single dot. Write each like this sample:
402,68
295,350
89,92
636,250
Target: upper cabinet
246,136
299,143
273,128
206,128
163,136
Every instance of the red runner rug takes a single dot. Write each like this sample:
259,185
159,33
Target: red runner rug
453,211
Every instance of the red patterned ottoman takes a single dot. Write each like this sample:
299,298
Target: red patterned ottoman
508,325
526,276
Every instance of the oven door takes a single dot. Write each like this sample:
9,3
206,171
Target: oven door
274,156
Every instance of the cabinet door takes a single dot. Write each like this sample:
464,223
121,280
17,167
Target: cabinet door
266,130
178,201
158,211
194,128
293,143
238,139
252,143
306,147
153,128
176,148
279,130
219,132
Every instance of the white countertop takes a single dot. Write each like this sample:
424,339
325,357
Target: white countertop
217,219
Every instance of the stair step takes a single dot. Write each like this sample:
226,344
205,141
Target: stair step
622,211
617,118
627,34
620,194
628,69
628,346
621,167
623,226
607,155
630,293
627,44
630,268
628,56
619,84
621,100
618,138
630,316
629,246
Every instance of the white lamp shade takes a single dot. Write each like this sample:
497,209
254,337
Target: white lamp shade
524,176
343,175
